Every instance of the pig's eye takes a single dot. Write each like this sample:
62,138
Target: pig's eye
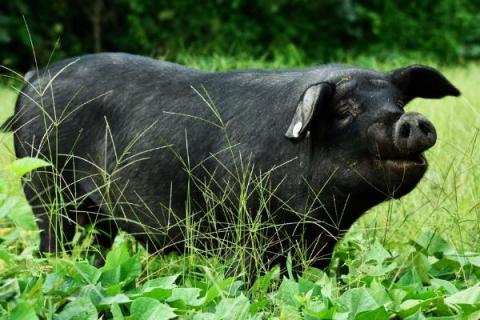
343,114
345,111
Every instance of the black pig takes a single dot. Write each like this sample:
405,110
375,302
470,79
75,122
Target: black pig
138,139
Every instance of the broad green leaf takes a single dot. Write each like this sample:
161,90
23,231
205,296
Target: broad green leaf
258,316
416,316
6,257
422,266
158,294
23,311
287,291
447,285
96,293
234,289
116,256
441,308
116,312
378,293
318,310
424,294
122,273
162,282
23,218
341,316
378,269
86,273
411,278
473,259
474,315
79,309
258,304
8,205
117,299
25,165
19,212
357,300
205,316
114,289
327,284
263,283
305,286
151,309
160,288
377,314
182,297
469,296
432,243
218,289
377,253
287,312
9,289
313,274
57,284
445,268
132,268
411,306
464,259
233,308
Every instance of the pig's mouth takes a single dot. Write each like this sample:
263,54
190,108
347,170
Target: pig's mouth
401,175
412,163
393,176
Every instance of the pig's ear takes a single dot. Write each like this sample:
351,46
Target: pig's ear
310,102
417,81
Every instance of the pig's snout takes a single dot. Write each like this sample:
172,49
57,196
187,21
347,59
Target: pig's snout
413,133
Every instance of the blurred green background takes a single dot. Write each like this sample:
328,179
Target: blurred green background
296,31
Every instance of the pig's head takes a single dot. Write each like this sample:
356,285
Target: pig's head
365,148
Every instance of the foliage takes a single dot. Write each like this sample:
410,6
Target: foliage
423,278
427,277
310,31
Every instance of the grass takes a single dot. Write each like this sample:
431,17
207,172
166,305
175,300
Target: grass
409,258
7,102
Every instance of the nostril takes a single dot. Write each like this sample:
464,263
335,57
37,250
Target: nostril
425,127
413,133
405,130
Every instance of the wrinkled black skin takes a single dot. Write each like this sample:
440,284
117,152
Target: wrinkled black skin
133,93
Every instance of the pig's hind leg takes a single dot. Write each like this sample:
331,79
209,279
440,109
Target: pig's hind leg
44,193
